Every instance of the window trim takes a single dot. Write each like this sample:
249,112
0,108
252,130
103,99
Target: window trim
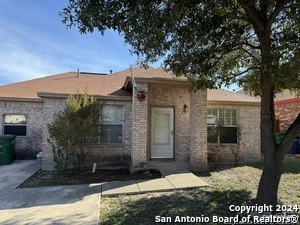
24,125
218,119
121,124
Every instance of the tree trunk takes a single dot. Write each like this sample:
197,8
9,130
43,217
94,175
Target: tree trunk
269,182
273,154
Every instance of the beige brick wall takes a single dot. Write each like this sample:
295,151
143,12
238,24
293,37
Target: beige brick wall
249,123
51,106
286,113
176,97
102,154
189,133
198,130
139,130
26,146
114,154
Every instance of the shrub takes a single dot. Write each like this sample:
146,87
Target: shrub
75,125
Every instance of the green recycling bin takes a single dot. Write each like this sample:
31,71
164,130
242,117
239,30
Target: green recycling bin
7,149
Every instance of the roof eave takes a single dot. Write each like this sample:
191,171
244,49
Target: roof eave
219,102
16,99
155,80
113,97
127,83
284,101
98,97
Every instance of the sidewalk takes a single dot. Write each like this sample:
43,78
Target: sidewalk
173,180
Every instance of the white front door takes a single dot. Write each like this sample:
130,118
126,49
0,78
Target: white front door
162,133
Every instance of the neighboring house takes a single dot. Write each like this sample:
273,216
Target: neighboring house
162,119
287,108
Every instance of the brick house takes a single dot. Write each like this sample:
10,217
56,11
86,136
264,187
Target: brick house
287,108
161,119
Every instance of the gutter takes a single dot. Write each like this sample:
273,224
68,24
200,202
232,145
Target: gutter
218,102
285,101
14,99
100,97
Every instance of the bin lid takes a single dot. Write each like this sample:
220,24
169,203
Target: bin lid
7,136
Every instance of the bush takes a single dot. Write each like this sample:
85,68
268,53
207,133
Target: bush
77,123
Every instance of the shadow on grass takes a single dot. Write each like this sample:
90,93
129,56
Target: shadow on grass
222,167
290,165
196,203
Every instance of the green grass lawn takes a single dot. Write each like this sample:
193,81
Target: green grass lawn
228,186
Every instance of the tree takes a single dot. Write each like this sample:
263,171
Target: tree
254,43
74,126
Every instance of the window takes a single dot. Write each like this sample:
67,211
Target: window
221,126
112,124
15,125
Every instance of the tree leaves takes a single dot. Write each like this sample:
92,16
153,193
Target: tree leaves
214,40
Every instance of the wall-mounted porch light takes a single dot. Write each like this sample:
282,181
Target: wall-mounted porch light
185,106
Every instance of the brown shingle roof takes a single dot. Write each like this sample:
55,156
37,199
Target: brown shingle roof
159,72
69,83
228,96
100,84
285,95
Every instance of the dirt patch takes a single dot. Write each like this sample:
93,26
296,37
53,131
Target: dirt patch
53,178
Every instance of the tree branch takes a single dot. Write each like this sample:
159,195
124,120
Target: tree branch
237,74
245,71
251,45
292,132
253,14
250,53
279,6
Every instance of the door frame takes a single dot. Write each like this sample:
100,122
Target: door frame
151,136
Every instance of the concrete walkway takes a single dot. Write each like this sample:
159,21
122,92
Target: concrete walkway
173,180
11,176
73,204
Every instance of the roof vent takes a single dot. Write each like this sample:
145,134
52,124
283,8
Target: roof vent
110,71
78,73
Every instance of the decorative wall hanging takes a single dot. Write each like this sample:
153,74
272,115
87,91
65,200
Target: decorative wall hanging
141,95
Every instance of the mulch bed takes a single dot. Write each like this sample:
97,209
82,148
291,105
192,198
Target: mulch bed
53,178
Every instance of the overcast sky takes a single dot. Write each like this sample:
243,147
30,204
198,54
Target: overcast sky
35,43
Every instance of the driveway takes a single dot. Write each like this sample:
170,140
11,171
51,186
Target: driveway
11,176
78,204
